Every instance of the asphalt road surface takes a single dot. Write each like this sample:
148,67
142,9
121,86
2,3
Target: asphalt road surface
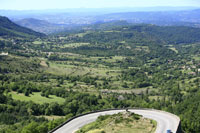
165,121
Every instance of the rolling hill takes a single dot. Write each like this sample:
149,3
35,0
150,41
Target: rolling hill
117,31
40,25
8,28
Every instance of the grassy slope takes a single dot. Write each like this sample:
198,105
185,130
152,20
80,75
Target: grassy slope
37,98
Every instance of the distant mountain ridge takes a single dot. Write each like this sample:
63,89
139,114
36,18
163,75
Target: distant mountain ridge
34,22
61,20
8,28
158,17
96,10
42,26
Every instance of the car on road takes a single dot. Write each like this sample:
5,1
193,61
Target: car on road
169,131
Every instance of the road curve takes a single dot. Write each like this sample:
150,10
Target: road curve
165,120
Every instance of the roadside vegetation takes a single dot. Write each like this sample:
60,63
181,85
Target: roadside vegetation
125,122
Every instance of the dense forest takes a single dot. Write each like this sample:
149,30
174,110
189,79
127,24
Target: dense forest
45,80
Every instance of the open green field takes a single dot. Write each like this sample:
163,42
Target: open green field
80,68
74,45
120,123
37,42
197,57
174,49
53,117
110,31
37,98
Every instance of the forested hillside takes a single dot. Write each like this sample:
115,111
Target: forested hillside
45,81
9,28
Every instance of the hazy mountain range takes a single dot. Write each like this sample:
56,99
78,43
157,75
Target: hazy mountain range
42,26
50,21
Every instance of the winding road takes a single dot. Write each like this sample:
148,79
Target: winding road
165,121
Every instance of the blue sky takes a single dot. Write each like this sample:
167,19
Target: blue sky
62,4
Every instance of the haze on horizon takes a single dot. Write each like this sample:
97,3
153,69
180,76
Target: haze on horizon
64,4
